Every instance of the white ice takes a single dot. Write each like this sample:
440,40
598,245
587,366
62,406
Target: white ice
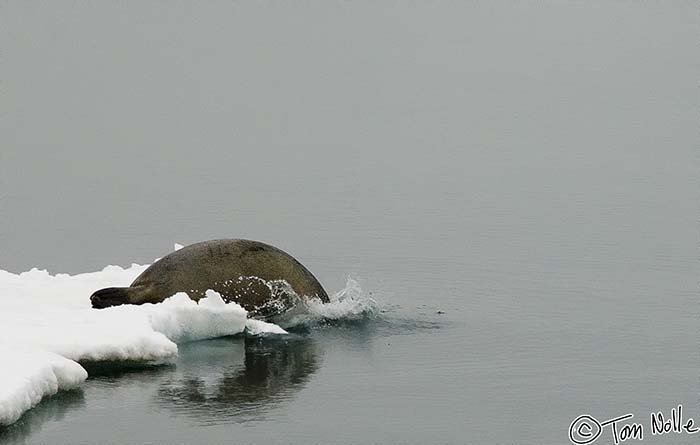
47,326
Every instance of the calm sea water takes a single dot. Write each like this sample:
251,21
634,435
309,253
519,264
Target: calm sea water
515,183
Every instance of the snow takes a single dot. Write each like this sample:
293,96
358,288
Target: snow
28,376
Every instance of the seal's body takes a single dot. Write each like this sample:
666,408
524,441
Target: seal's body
249,273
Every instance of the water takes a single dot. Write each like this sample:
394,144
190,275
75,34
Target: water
515,185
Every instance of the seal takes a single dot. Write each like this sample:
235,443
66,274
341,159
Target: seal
261,278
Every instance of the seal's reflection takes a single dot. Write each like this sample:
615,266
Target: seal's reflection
217,382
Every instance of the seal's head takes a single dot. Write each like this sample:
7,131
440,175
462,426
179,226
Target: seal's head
110,296
115,296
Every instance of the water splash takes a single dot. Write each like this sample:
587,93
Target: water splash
351,303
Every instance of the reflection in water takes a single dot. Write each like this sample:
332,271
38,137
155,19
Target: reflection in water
50,409
271,371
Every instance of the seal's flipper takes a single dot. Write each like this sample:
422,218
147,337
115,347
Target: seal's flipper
115,296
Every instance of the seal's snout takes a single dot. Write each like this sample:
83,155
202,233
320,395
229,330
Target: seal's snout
97,303
111,296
